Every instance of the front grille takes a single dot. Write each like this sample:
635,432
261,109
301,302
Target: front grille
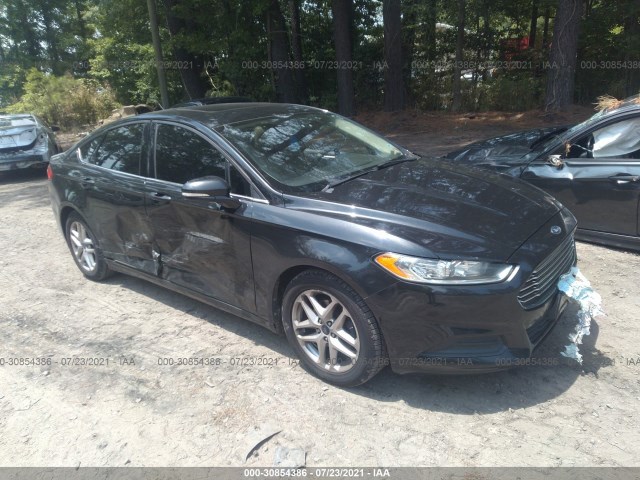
541,284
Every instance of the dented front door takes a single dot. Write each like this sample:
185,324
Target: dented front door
199,246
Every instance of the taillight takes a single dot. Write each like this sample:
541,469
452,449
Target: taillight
49,172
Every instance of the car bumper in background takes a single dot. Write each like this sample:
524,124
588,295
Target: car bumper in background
23,160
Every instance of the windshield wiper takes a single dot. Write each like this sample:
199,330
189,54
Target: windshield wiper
389,163
396,161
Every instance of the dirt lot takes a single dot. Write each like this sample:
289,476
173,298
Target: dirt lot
133,411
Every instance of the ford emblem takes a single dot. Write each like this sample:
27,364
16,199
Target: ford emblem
556,230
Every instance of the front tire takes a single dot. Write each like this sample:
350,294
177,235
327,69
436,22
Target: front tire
85,249
332,330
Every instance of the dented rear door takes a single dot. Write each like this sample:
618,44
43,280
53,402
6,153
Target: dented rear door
112,184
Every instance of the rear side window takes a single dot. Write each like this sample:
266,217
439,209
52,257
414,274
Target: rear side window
183,155
120,150
86,151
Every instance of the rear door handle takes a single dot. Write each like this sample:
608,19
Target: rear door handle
624,179
87,182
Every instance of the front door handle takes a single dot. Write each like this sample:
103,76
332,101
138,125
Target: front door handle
159,197
624,179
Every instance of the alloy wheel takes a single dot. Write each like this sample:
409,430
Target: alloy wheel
325,330
82,247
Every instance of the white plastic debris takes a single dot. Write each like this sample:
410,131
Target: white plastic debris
576,286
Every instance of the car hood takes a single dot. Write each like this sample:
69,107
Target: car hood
18,137
437,208
505,151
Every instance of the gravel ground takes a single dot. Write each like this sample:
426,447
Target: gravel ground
136,408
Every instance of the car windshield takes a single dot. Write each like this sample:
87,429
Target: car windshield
306,151
11,122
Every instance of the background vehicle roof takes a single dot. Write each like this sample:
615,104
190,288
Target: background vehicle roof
16,115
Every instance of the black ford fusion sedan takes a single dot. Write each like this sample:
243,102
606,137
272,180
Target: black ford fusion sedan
593,168
309,224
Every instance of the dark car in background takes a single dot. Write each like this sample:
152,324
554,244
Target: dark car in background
593,168
196,102
25,142
309,224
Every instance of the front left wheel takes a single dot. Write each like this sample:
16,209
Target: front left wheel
85,249
332,330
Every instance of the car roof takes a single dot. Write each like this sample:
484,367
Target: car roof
14,116
227,113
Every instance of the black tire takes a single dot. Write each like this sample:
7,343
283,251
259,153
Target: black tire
92,265
350,313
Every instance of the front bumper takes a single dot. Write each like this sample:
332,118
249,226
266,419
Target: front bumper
467,329
493,338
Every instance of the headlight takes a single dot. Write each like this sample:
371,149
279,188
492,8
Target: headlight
444,272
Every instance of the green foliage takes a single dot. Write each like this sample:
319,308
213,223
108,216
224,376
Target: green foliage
64,101
507,93
108,42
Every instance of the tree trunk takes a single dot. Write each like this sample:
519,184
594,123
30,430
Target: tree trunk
296,48
632,34
192,80
157,49
393,84
563,55
545,31
533,29
342,11
279,54
430,30
456,104
82,28
52,42
487,37
409,25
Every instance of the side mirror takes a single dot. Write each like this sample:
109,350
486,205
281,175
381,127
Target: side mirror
55,128
213,188
555,161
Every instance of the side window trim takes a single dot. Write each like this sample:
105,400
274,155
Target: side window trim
230,161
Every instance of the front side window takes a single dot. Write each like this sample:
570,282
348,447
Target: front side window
120,150
618,140
182,155
615,140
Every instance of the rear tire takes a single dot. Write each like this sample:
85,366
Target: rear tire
332,330
85,249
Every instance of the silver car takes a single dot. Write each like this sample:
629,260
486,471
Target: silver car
25,142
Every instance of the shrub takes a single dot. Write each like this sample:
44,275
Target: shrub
64,101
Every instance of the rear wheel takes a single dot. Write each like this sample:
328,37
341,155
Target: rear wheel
85,249
332,330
